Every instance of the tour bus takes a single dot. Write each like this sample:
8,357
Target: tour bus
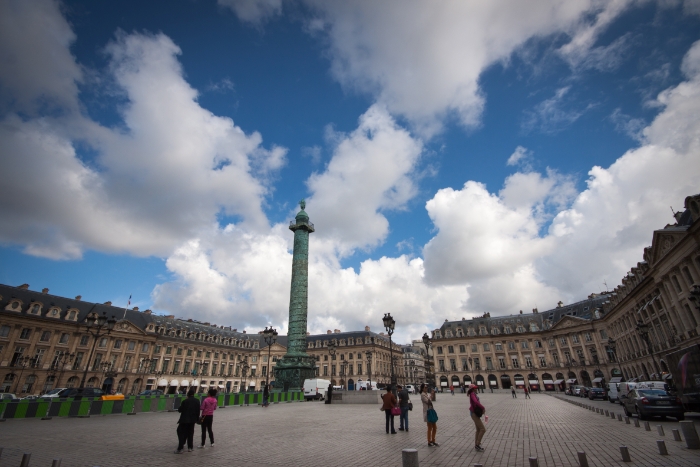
315,389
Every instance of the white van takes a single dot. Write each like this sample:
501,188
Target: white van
315,389
613,392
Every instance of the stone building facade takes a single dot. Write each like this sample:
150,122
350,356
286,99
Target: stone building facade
663,292
44,344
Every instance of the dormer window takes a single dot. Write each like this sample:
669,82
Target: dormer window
494,331
35,309
521,329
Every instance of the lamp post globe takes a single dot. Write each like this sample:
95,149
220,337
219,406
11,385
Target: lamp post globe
389,325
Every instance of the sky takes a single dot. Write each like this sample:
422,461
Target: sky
456,158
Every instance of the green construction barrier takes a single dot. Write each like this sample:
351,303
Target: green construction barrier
162,405
220,399
146,405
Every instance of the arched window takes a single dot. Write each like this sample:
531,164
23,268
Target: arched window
455,380
91,383
493,382
72,382
443,381
122,385
7,382
29,384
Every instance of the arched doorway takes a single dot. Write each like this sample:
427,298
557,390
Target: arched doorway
72,382
351,384
548,382
455,381
443,382
493,382
467,380
48,384
533,382
136,387
122,385
586,379
342,383
333,382
107,385
480,382
91,383
519,381
505,382
560,381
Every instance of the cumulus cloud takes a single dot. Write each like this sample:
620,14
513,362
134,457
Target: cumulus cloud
423,61
370,172
38,71
519,156
168,171
254,11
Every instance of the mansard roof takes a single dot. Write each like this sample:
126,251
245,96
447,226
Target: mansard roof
542,319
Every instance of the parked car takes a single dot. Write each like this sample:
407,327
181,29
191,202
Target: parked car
7,396
410,388
595,393
584,391
53,392
79,393
652,403
151,392
30,397
576,391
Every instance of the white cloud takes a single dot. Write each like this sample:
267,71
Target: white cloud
370,172
38,71
253,11
166,173
423,59
519,155
552,115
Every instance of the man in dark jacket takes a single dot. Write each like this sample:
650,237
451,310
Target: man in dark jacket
189,414
403,404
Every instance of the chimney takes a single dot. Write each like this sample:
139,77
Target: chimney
367,328
44,290
244,331
171,316
308,333
147,312
135,308
78,297
23,286
235,329
336,331
560,304
521,312
106,303
534,310
329,332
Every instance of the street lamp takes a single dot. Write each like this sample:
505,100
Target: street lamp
571,363
643,330
412,369
429,376
389,324
369,367
62,359
331,351
21,362
612,345
270,336
96,326
244,371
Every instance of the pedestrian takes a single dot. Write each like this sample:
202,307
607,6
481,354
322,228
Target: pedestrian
266,395
208,407
527,392
426,399
476,410
512,391
329,394
388,403
189,414
452,390
403,405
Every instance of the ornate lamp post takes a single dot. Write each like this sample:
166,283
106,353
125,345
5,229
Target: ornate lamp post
62,359
244,372
643,330
389,324
571,364
612,345
145,362
369,367
270,337
331,351
97,327
412,369
429,376
21,362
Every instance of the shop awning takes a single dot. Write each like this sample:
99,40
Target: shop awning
174,383
571,381
204,386
221,386
548,381
493,383
597,380
559,381
668,376
533,381
163,382
184,382
480,382
195,382
616,379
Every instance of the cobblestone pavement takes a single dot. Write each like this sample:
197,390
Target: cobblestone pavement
314,434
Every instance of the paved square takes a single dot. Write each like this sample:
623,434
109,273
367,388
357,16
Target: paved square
317,435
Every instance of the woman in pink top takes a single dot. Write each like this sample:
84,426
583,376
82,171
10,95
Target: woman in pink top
474,408
208,407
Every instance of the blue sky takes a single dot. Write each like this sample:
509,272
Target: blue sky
465,159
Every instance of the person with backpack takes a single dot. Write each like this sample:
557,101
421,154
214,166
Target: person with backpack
426,399
476,410
189,415
208,407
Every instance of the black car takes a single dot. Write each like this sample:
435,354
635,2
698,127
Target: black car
79,393
594,393
652,403
151,392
